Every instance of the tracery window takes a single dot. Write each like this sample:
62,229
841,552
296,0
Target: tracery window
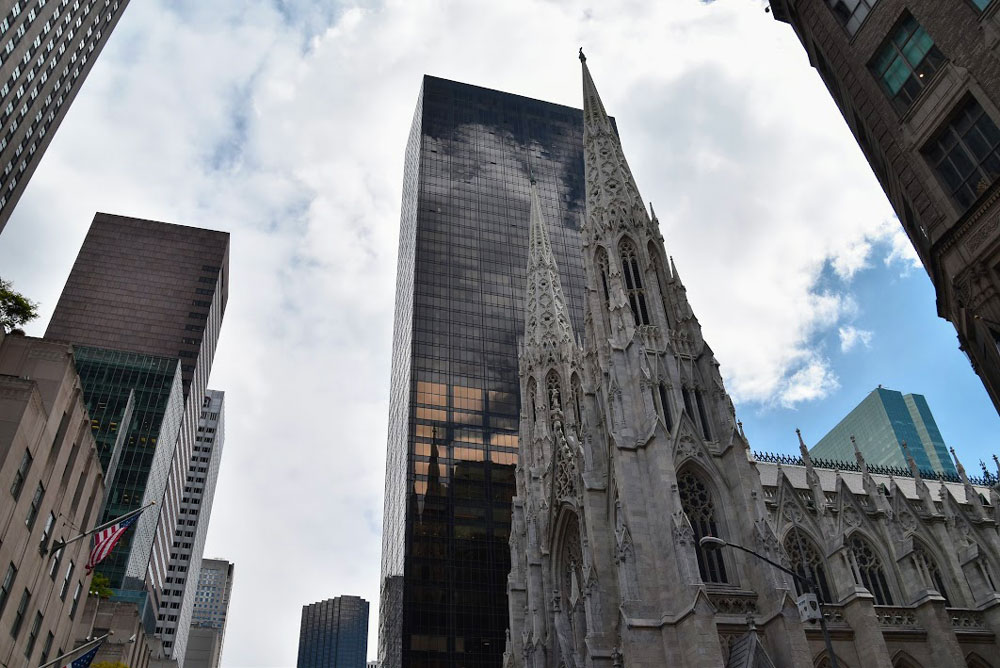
868,568
807,562
602,267
929,571
633,282
665,406
697,503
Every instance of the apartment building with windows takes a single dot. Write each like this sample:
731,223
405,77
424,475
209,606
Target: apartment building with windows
918,83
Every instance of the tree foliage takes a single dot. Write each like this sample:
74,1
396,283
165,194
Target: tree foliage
15,308
100,585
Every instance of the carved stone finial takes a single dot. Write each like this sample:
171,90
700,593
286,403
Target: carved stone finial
583,58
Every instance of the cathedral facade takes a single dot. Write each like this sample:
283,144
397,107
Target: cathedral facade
630,454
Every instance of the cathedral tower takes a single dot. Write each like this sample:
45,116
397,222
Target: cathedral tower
630,454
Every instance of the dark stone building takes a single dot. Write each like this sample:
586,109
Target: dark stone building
455,397
334,633
143,306
48,48
918,82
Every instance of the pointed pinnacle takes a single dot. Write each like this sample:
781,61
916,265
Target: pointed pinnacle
583,58
652,214
857,455
958,465
914,470
803,448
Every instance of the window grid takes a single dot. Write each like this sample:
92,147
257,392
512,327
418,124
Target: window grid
965,154
851,13
906,62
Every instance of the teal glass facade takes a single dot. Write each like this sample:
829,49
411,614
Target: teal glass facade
135,403
881,423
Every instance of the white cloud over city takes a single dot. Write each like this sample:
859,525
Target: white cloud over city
285,122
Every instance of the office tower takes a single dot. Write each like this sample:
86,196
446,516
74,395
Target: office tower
880,424
454,397
918,83
192,525
51,484
155,290
334,633
47,48
208,619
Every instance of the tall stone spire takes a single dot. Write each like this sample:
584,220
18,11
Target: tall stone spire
611,189
546,317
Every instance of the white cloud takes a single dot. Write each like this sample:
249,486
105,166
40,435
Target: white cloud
850,336
285,123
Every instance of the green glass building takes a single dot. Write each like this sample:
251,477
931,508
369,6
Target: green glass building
880,424
135,402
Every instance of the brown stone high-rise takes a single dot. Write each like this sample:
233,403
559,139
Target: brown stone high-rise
918,82
47,48
159,291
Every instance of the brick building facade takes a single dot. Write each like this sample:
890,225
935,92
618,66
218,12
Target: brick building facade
918,83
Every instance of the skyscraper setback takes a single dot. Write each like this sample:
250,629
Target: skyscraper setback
47,48
143,306
917,84
453,416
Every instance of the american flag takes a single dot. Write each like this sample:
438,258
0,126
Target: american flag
105,541
84,660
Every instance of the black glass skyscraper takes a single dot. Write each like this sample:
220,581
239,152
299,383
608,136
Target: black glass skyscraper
334,633
454,405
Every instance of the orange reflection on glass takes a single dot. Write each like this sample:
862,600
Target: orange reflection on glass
435,394
505,440
503,457
468,454
422,449
467,398
432,414
420,487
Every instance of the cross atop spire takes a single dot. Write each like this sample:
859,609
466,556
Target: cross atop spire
546,317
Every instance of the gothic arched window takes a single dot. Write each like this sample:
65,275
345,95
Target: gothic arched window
602,267
696,501
868,567
661,279
929,571
633,282
807,562
668,420
572,611
553,392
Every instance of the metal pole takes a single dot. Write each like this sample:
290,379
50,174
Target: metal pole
60,545
86,645
812,587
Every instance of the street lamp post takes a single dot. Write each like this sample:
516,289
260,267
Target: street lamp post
713,542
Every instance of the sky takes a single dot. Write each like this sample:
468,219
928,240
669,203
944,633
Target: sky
284,122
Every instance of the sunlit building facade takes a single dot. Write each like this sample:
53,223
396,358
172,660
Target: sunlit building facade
880,425
455,394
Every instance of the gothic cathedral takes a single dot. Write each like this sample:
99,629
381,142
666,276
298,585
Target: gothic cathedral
631,453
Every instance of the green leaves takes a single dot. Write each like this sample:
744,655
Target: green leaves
15,308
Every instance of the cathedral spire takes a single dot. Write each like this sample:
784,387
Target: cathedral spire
546,318
611,190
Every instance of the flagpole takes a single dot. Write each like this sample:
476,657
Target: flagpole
58,545
70,653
